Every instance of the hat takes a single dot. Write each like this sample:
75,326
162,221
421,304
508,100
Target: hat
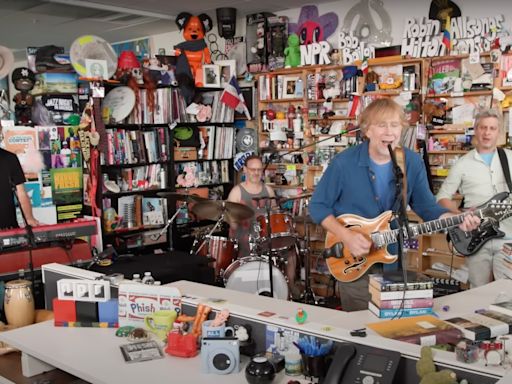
6,61
23,73
127,60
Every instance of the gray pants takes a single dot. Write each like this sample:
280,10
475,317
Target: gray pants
488,264
354,295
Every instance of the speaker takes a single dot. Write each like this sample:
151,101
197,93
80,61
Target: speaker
226,22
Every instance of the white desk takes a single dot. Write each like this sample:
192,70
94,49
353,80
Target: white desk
93,354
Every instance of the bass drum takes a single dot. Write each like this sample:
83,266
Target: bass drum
251,274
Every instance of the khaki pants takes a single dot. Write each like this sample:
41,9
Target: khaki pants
488,264
354,295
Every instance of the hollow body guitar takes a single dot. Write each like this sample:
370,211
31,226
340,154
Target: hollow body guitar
346,268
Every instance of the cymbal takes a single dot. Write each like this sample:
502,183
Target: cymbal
303,196
182,196
213,209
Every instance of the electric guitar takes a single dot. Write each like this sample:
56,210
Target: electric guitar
345,267
468,243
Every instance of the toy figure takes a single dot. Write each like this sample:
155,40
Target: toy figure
426,370
220,318
193,52
292,52
332,85
23,80
258,48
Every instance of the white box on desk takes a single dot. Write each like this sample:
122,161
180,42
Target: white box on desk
137,300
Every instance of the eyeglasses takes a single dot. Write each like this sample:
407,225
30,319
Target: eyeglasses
255,169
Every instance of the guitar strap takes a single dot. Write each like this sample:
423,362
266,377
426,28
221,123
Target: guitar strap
400,159
504,166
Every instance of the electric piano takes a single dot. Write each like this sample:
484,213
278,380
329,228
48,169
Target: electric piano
47,233
57,243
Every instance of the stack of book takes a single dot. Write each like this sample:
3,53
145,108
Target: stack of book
389,300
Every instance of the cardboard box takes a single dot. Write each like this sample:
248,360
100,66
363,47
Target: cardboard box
137,300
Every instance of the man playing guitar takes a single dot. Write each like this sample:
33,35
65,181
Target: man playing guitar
478,175
360,181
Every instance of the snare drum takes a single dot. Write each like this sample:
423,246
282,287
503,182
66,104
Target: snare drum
251,274
281,230
222,250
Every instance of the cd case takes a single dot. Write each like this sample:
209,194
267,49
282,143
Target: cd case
141,351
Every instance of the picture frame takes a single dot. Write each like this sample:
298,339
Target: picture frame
211,76
227,70
289,86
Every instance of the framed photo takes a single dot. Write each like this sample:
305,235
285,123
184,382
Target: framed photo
96,69
211,76
227,70
290,87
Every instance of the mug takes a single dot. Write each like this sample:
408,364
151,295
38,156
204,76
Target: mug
160,322
219,331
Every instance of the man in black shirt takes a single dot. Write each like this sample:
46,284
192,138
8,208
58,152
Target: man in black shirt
11,173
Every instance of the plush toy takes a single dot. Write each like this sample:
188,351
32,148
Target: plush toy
426,370
292,52
372,81
332,85
258,48
23,80
193,52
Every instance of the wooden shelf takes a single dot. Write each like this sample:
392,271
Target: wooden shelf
333,118
461,94
448,152
390,92
281,101
298,166
446,131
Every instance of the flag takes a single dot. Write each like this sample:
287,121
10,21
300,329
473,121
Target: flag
447,38
364,65
232,96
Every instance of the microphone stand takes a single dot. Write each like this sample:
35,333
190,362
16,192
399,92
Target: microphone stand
30,237
400,213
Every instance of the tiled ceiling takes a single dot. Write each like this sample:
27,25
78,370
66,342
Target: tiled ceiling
35,23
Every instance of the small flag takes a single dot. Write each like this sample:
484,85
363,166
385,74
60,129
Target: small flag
364,65
447,38
232,96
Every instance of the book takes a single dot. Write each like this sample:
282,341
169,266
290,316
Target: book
398,312
407,303
384,284
378,296
422,330
504,307
141,351
498,316
471,330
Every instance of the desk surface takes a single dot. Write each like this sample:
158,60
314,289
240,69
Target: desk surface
93,354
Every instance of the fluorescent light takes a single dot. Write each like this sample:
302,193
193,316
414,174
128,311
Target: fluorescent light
112,8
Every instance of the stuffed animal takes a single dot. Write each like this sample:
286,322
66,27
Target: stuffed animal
292,52
259,47
426,370
332,85
193,52
372,81
23,80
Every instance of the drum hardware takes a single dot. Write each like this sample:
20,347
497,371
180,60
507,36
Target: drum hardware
230,211
308,296
185,199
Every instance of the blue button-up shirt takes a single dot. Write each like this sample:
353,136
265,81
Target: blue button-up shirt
348,186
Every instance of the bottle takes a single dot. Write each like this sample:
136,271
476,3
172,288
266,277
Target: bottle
297,121
163,178
148,279
136,278
21,274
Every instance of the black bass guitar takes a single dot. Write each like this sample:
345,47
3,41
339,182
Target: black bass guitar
468,243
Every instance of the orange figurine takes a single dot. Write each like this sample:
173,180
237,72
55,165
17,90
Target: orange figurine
194,51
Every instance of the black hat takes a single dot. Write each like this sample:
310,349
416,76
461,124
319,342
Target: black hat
23,73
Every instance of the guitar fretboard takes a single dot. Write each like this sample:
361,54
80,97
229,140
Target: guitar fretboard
389,237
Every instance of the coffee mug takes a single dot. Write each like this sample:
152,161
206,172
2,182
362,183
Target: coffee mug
160,322
219,331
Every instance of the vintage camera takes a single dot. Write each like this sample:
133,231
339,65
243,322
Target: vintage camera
220,355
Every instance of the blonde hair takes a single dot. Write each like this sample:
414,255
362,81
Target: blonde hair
378,109
485,113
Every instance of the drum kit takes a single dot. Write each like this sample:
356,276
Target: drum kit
272,238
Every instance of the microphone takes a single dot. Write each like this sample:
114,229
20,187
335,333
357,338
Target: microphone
397,170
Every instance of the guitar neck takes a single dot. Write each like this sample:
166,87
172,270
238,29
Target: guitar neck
429,227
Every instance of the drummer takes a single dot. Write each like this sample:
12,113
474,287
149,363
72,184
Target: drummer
247,192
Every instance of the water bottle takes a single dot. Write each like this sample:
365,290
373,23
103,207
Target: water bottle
148,279
136,278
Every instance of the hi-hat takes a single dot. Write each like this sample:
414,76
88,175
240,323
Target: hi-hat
182,196
213,209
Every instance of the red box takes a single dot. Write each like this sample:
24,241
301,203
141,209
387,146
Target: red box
64,310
